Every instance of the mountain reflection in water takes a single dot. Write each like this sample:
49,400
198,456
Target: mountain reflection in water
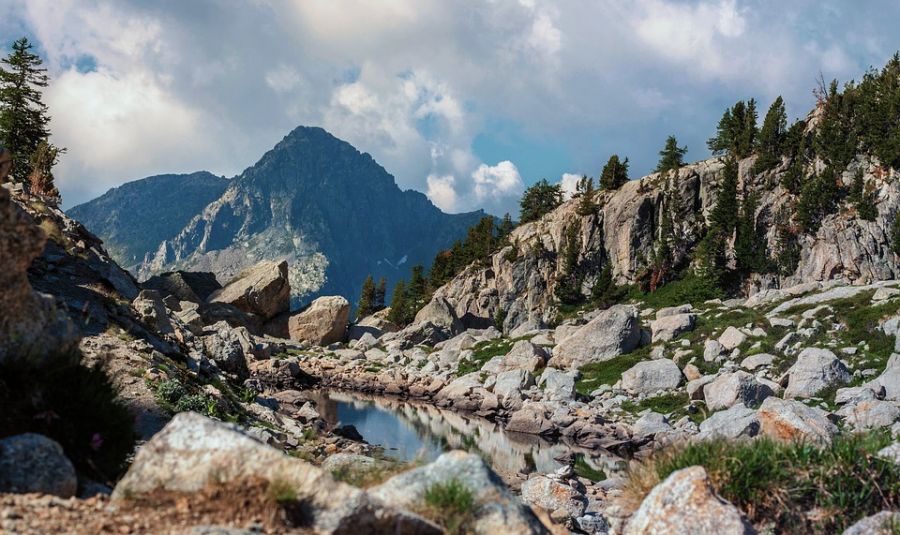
409,430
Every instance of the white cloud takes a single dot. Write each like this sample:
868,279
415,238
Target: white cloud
569,184
283,79
441,192
497,181
182,86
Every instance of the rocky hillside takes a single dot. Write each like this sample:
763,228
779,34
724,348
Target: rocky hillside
625,230
314,200
133,219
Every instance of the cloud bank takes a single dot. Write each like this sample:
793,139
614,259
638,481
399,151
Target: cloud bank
468,101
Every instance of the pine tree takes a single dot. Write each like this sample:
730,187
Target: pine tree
23,115
398,312
380,292
538,200
749,244
614,174
863,199
772,137
366,299
818,198
568,288
587,204
671,158
787,255
724,214
417,291
895,234
505,227
736,131
605,292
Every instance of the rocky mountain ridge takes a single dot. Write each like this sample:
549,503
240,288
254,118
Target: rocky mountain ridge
314,200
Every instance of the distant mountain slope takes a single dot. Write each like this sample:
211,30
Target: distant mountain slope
331,211
136,217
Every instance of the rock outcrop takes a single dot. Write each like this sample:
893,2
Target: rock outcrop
521,278
32,328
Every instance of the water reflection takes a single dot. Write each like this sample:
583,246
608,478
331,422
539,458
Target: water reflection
409,430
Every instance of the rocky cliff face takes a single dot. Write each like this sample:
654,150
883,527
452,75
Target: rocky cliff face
136,217
332,212
521,278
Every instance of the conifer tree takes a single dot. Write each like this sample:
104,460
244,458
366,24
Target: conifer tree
380,292
787,254
671,158
587,204
399,308
538,200
605,292
772,137
749,245
736,131
366,303
568,288
724,214
24,122
417,291
614,174
505,227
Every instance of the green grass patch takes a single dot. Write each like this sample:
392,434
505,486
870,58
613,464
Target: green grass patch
595,374
688,289
483,352
451,505
778,483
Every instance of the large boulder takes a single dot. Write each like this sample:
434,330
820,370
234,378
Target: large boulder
35,463
738,421
554,496
685,503
670,326
496,509
524,355
889,379
869,414
614,331
195,287
262,290
789,421
651,376
150,309
557,385
32,328
508,387
230,348
531,419
815,370
439,312
193,451
731,388
323,322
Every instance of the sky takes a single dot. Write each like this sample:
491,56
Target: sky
468,101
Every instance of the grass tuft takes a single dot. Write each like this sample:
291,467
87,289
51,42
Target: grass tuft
451,505
778,483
